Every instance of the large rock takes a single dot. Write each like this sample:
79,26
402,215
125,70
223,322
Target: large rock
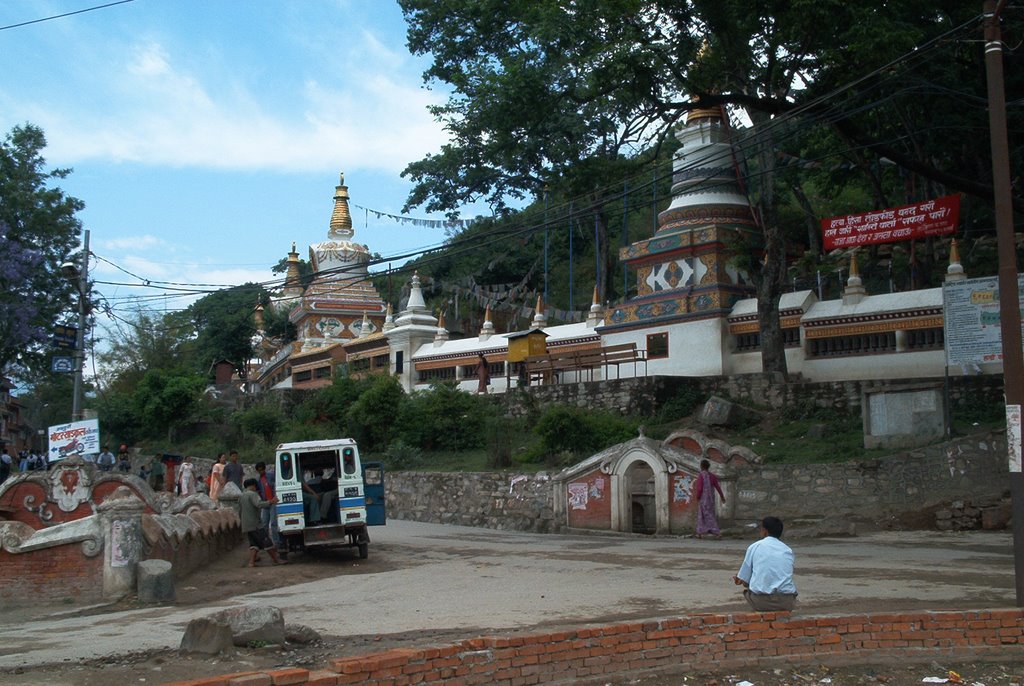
721,412
208,635
253,624
156,582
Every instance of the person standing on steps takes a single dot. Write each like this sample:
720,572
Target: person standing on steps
233,471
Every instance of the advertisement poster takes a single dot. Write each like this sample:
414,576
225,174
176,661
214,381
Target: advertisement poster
74,438
973,330
930,218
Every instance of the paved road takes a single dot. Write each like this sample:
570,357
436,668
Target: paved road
427,577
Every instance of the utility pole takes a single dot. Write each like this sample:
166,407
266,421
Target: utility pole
1009,295
83,313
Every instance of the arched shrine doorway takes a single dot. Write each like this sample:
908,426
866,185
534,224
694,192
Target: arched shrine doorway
645,486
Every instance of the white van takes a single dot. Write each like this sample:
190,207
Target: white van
321,497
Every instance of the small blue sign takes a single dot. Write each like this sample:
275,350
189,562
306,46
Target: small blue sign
62,364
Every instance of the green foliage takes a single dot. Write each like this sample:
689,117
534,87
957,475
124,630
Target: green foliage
687,399
444,418
502,436
329,406
263,419
372,419
402,456
38,231
164,399
224,325
576,431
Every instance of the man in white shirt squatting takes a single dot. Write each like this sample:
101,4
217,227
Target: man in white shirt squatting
767,571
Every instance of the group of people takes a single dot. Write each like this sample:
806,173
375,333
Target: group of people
107,461
226,469
28,461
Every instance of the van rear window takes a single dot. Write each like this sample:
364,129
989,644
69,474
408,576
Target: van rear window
286,466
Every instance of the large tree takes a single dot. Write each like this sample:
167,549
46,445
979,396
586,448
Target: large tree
38,232
564,93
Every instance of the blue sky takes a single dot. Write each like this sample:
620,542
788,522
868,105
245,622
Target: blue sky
207,135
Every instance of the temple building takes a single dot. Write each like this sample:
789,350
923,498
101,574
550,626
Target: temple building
694,314
338,306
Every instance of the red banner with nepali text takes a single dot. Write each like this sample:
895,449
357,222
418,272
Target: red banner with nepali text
936,217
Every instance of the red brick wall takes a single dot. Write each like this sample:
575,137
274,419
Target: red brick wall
682,508
51,574
598,511
671,645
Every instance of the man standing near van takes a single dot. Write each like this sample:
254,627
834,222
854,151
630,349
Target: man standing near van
233,471
265,487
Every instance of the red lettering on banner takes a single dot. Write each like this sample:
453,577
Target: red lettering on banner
936,217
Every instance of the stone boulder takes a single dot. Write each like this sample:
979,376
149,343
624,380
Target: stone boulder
208,635
156,582
721,412
253,624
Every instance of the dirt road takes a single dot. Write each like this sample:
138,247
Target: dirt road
426,583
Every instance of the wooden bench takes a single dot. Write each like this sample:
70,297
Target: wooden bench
623,354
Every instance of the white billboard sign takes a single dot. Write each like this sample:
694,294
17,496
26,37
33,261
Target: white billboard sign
74,438
971,319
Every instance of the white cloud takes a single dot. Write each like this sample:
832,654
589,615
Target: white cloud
158,113
145,242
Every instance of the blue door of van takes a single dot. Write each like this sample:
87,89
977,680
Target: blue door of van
373,489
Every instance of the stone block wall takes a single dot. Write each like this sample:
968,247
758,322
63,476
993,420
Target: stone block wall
644,396
500,500
674,646
972,468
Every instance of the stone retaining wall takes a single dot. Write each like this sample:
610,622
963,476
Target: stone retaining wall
500,500
671,646
907,485
644,396
972,469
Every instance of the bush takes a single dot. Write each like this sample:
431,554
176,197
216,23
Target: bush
444,418
499,433
373,417
401,455
576,432
263,420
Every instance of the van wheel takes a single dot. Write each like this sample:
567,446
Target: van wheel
364,551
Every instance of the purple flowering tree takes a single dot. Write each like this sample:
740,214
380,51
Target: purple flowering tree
39,230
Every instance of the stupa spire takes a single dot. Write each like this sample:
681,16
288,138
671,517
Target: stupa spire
341,219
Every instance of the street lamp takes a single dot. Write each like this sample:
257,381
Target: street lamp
72,272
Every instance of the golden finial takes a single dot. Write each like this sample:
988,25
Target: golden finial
954,253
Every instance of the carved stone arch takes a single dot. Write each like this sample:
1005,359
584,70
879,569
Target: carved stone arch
622,494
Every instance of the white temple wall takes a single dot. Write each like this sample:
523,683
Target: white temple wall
695,348
750,362
904,365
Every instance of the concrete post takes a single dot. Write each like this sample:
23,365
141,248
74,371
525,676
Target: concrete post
121,524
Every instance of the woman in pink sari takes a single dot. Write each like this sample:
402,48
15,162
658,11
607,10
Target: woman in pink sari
217,476
704,494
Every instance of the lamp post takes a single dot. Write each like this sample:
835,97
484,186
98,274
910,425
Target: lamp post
71,271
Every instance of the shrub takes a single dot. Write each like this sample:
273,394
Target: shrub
263,420
401,455
373,417
576,431
444,418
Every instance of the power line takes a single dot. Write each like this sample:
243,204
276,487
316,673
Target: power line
66,14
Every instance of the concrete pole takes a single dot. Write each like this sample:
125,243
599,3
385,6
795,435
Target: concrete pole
1009,295
83,312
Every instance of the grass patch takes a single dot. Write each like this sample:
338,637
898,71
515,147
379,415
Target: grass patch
789,442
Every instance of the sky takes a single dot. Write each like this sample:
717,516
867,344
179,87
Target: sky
205,136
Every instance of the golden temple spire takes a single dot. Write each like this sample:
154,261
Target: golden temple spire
341,220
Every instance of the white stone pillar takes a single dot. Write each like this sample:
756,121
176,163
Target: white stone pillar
121,524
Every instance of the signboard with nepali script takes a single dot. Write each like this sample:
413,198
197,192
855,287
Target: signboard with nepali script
973,327
930,218
74,438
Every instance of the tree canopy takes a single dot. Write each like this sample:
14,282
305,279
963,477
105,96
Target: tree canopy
39,230
575,96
